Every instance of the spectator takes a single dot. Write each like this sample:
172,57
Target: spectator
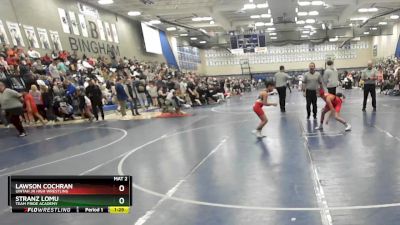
10,102
121,95
96,98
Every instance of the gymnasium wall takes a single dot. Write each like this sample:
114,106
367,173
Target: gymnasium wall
44,14
386,44
362,57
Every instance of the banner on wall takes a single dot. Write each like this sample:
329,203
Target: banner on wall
55,39
108,32
82,24
3,34
15,32
31,36
43,38
101,30
74,23
64,21
114,33
88,10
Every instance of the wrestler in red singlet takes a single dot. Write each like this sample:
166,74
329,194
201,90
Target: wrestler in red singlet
333,105
257,108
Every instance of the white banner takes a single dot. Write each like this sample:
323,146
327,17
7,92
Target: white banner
82,23
260,49
108,32
74,23
43,38
15,33
88,10
3,34
55,39
237,51
64,21
114,33
101,30
31,36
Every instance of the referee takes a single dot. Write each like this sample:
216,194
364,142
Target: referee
281,79
331,78
312,81
369,75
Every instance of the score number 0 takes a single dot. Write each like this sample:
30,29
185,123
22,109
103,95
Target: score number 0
121,200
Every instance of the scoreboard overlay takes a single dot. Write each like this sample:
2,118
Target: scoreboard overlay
70,194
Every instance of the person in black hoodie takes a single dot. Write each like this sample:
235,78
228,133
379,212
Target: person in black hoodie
133,95
48,102
93,92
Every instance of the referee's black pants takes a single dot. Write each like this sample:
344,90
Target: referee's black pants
311,97
369,89
282,97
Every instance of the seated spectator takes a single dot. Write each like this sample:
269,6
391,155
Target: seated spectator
33,54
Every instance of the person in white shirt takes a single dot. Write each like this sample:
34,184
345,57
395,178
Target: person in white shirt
33,54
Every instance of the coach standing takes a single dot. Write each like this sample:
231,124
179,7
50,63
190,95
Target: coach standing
312,81
281,79
369,76
331,78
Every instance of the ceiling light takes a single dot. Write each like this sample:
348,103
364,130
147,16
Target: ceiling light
310,21
193,38
301,22
259,24
304,36
105,2
297,9
265,16
272,34
198,19
323,26
313,13
274,38
202,42
373,28
308,27
271,28
249,6
304,3
333,39
317,3
382,23
171,28
358,18
366,32
262,6
302,13
306,32
255,16
351,25
152,22
184,35
269,24
212,22
394,17
363,10
134,13
295,18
